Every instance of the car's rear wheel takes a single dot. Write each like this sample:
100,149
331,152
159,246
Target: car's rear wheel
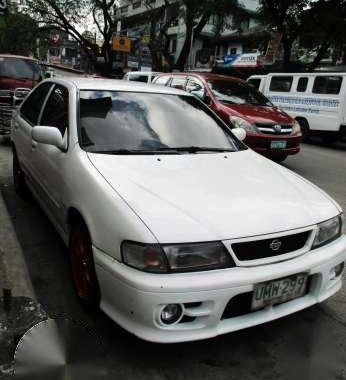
20,185
82,265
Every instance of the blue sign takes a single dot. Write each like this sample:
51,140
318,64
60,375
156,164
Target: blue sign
230,58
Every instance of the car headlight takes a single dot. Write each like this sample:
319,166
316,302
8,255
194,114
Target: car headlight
176,257
296,128
328,231
239,122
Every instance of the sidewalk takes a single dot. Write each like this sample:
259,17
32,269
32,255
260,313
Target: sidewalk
20,311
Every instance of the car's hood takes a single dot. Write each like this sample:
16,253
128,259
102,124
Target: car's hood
204,197
259,114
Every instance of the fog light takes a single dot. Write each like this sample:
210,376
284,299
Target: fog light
171,313
336,271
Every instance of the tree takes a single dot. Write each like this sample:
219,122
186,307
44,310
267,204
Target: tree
18,34
325,25
196,14
286,17
66,15
159,19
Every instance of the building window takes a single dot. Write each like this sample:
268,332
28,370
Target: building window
124,9
281,84
136,5
233,51
327,85
213,20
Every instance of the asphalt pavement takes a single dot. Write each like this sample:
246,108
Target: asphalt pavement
307,345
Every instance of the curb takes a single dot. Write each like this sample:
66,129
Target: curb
13,270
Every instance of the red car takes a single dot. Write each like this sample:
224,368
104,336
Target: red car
17,76
269,130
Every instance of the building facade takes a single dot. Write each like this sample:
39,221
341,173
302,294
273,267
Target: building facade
246,37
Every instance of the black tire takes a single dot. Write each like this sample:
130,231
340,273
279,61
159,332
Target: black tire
279,159
20,185
83,267
305,128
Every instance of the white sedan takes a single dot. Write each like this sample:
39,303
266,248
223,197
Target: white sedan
175,228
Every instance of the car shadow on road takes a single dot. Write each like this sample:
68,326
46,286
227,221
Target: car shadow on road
290,347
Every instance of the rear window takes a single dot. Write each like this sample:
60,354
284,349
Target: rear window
302,84
327,85
18,68
281,84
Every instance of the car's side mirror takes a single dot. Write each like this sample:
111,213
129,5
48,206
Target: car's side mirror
47,135
239,133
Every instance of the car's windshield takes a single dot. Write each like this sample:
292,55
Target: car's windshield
19,68
236,92
132,123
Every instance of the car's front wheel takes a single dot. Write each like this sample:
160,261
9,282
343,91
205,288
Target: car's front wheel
20,185
82,265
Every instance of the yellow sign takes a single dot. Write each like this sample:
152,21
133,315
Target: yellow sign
121,44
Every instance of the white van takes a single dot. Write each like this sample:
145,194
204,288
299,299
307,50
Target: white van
316,100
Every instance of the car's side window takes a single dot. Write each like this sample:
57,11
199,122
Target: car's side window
178,82
31,108
195,87
55,113
163,80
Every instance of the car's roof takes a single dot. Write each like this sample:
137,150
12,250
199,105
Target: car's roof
144,72
206,75
17,56
116,85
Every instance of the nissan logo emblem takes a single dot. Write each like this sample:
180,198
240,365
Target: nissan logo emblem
275,245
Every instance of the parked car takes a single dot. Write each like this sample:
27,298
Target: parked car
176,228
316,100
141,76
269,130
16,72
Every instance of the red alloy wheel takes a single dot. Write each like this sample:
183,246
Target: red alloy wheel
82,264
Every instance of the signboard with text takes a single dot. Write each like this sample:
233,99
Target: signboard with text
121,44
242,60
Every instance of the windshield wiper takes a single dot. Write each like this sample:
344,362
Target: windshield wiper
196,149
134,152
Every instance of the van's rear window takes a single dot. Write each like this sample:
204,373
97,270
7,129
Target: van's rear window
327,85
19,68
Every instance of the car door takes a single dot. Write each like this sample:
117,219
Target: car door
23,122
50,161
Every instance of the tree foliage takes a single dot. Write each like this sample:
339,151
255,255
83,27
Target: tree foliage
286,17
18,34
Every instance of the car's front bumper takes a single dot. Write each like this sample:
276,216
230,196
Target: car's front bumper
261,143
134,299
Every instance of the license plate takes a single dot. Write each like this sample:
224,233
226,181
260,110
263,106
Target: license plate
278,291
278,144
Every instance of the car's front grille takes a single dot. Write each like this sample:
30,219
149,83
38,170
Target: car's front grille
260,249
274,129
5,117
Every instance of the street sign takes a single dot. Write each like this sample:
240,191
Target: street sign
3,7
121,44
